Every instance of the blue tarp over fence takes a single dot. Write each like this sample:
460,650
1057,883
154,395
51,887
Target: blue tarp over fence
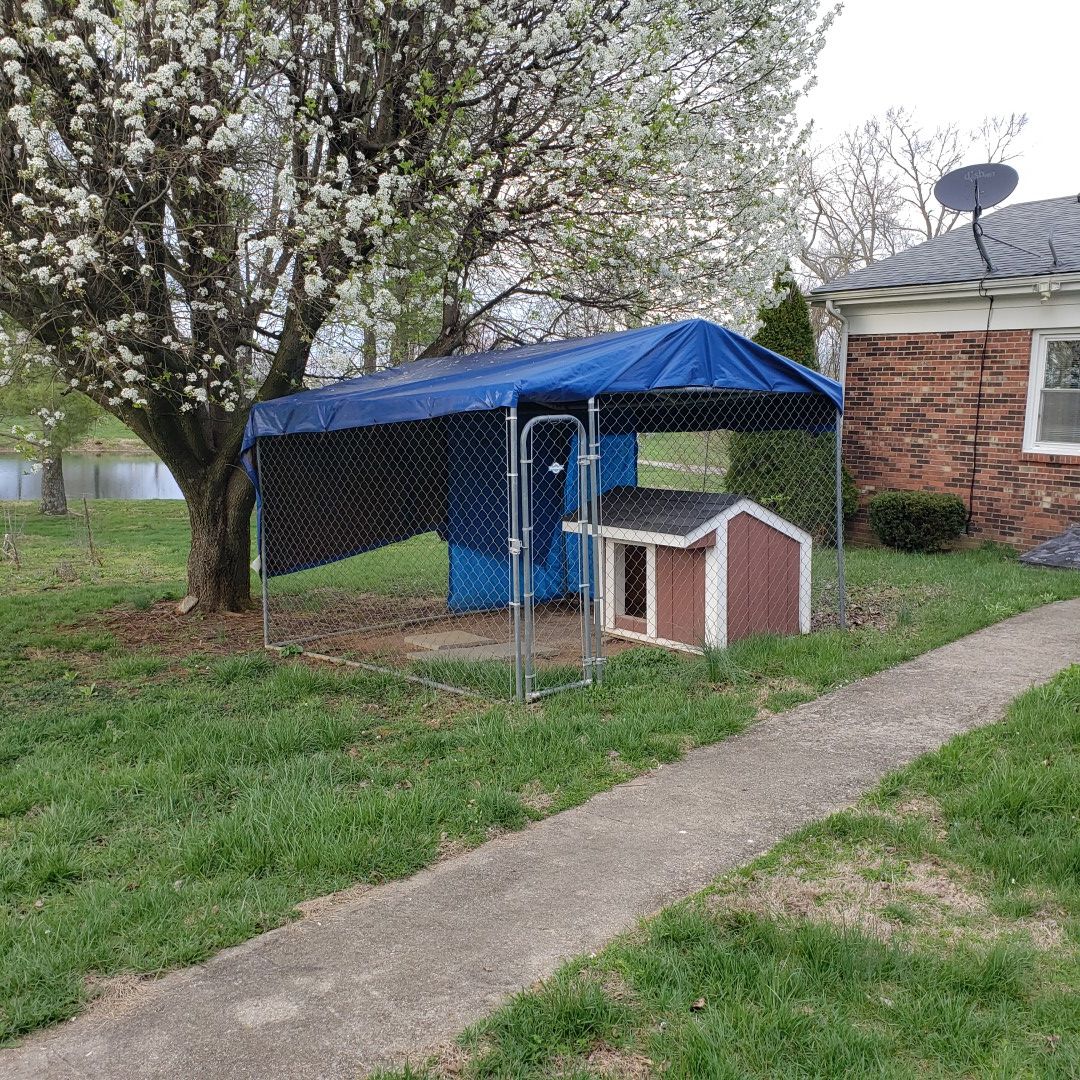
694,353
469,510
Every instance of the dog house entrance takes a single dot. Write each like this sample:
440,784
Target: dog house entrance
632,587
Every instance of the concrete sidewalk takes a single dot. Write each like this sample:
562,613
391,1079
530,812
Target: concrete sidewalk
408,965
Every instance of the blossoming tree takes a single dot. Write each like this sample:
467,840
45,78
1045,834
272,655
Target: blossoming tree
43,422
196,196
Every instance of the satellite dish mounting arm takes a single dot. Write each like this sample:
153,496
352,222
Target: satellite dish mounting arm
977,231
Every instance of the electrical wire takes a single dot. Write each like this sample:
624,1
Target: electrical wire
978,409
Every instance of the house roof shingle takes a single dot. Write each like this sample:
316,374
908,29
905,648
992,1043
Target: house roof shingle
953,256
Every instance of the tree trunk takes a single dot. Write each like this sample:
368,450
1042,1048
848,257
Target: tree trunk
53,492
371,356
219,509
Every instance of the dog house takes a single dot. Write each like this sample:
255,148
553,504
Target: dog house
691,568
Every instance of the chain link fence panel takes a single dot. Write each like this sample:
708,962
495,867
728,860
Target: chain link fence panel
508,555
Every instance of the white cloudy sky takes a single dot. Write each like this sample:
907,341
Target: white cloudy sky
961,60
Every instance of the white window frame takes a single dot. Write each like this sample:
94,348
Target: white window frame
1040,341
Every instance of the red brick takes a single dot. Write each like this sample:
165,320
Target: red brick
910,421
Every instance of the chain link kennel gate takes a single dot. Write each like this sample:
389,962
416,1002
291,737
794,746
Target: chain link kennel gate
506,551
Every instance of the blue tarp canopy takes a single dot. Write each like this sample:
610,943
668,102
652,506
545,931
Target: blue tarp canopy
690,354
342,483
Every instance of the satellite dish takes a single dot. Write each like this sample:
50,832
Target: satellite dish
975,187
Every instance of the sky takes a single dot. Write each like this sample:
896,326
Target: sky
960,60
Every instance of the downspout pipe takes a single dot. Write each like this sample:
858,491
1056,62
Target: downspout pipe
841,318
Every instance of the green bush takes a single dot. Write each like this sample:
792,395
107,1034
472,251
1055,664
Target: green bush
917,520
793,474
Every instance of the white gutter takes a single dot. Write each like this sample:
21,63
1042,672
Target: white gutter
839,316
1032,284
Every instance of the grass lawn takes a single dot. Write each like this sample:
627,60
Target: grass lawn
159,802
932,931
109,435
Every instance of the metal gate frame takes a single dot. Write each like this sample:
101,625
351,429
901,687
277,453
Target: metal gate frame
590,593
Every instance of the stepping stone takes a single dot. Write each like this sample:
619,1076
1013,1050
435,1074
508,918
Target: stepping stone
502,651
447,639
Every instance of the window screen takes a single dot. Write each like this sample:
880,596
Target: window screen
1059,407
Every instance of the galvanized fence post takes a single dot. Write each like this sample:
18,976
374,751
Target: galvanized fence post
841,597
513,473
596,545
261,526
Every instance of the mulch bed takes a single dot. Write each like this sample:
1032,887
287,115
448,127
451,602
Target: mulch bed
161,630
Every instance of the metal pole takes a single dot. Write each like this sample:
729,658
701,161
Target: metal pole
262,548
525,458
583,562
513,473
597,554
841,597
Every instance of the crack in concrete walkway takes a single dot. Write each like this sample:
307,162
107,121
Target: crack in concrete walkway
406,966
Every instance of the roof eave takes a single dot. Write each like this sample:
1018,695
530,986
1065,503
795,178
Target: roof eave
947,290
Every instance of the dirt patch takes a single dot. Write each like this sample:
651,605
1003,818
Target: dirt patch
841,898
450,847
160,630
916,806
557,634
604,1060
873,607
447,1061
533,797
869,892
112,997
319,906
765,690
616,987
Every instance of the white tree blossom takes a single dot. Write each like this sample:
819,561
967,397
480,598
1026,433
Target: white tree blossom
194,194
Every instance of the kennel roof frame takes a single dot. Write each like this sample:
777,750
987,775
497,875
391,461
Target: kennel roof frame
692,354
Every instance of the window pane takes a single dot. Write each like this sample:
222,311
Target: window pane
1063,365
1059,416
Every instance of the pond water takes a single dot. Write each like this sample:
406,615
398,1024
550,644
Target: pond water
93,476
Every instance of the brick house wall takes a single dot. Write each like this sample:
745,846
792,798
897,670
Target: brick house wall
910,423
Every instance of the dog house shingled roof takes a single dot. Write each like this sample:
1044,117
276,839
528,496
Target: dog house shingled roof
659,510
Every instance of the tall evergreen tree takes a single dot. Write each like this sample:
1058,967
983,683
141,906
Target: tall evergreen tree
790,470
785,327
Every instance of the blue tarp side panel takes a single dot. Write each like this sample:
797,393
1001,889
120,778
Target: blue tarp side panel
477,523
477,512
694,353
